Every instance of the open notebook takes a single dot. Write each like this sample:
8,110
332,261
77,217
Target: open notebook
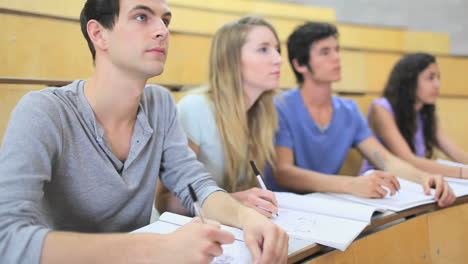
410,195
236,252
321,219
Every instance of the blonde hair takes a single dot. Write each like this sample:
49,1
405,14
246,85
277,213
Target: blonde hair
244,136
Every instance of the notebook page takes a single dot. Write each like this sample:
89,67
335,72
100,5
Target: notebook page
182,220
326,230
325,206
233,253
410,195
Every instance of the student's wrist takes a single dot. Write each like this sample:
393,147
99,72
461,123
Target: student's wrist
246,215
348,184
150,246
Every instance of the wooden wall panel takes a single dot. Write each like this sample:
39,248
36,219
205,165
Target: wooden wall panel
378,67
49,7
9,97
187,60
353,71
43,47
448,235
335,257
365,37
454,75
453,119
432,42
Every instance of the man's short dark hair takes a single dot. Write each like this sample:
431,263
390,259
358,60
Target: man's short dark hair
301,40
103,11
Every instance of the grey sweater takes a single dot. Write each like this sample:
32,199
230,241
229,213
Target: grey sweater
57,171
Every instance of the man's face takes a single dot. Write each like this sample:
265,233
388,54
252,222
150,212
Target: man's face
324,59
138,42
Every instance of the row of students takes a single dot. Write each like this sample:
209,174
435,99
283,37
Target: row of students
85,157
83,160
226,123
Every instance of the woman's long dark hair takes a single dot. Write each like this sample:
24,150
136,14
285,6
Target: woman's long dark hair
400,91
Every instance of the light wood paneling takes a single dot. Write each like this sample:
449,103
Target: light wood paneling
428,41
187,61
9,97
407,242
453,119
378,67
448,235
364,37
42,47
290,10
353,71
454,75
50,7
335,257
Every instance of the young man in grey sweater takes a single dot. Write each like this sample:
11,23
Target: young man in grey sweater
83,160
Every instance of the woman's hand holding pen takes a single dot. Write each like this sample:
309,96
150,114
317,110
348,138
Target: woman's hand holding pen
196,242
370,185
263,201
267,242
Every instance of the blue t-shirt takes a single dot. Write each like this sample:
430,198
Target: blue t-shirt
317,148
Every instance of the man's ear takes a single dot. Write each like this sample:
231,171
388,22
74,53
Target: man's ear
98,35
300,68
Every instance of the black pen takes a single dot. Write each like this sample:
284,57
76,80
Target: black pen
260,180
196,203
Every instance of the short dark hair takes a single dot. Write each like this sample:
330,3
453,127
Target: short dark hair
103,11
301,40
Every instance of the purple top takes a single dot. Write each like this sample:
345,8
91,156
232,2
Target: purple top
418,140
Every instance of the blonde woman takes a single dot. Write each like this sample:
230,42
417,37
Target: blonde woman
234,121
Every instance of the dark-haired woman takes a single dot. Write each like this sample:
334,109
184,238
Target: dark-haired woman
405,120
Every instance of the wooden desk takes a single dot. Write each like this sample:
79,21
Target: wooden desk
434,235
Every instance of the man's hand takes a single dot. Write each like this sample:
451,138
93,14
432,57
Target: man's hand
196,242
443,193
267,242
371,184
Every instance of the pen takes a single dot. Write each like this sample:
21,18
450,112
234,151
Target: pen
196,204
259,178
380,163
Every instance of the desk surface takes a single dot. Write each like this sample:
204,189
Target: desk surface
379,221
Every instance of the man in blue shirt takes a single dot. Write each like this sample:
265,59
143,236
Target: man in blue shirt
316,129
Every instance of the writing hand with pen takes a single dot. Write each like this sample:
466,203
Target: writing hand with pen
198,241
259,199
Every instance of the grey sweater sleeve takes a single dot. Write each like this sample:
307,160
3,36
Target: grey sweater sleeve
179,165
30,145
